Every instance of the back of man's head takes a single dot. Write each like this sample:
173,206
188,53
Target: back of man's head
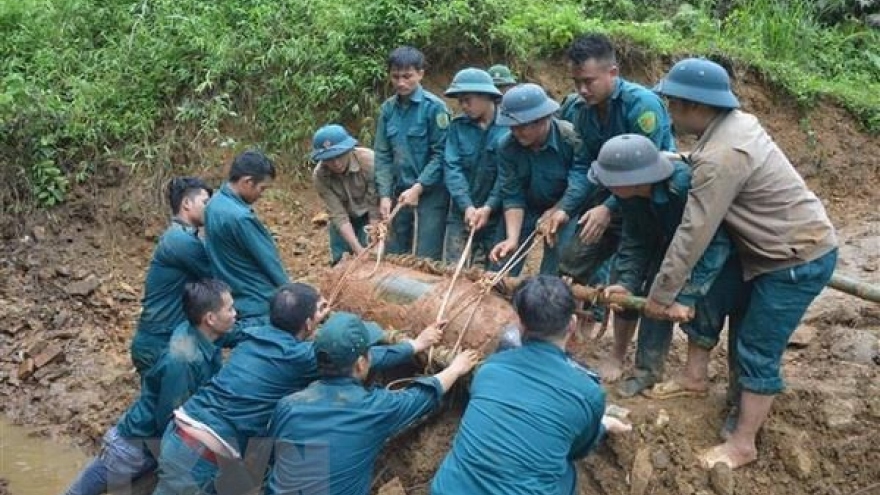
252,164
292,305
203,297
545,306
181,188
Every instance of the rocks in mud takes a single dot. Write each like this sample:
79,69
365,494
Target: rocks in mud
39,356
855,346
840,413
803,336
721,479
39,233
320,219
795,456
660,459
84,287
393,487
642,472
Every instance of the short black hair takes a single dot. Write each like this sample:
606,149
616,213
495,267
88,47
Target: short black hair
328,369
545,305
592,46
252,163
203,297
181,188
292,305
405,57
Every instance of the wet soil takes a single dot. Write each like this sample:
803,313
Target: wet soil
70,284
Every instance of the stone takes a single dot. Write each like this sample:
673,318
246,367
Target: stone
660,458
855,346
662,418
39,233
721,479
839,413
26,369
61,318
62,271
321,219
642,472
803,336
50,354
84,287
393,487
795,458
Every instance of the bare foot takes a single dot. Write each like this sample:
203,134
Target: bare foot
730,454
611,369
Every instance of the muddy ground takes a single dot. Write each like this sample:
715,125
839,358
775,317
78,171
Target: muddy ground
70,283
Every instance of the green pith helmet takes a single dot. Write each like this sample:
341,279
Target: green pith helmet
629,160
472,80
523,104
331,141
501,75
700,81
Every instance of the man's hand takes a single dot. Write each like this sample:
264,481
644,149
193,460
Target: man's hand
612,290
479,218
594,222
464,362
410,197
550,222
502,250
679,313
614,425
430,336
385,208
654,310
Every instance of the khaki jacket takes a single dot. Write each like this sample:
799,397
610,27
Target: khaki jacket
351,193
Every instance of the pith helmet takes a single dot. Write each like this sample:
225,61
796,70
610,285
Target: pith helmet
523,104
700,81
501,75
472,80
331,141
629,160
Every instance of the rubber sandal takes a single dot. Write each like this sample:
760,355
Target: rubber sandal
671,389
634,386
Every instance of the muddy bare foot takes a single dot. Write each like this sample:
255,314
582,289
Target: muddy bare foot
730,454
611,369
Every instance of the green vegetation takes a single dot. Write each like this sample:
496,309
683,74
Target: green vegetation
87,82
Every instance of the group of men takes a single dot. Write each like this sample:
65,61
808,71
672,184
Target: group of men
727,232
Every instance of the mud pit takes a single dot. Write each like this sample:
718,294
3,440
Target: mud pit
71,282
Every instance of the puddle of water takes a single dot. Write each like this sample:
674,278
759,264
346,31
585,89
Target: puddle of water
36,466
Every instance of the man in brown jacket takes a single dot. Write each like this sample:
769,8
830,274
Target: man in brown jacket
345,181
786,242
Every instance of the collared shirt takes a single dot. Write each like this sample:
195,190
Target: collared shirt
265,366
351,193
243,253
538,180
328,436
648,227
742,178
409,143
188,363
179,258
471,158
532,412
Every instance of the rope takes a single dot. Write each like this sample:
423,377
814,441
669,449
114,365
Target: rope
461,262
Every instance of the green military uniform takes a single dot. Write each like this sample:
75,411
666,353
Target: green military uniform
409,145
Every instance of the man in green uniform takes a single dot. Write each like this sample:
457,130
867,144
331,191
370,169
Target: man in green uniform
327,437
606,106
471,167
787,244
543,186
409,145
242,251
179,258
188,363
502,77
345,181
533,411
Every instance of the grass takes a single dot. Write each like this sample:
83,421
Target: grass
84,83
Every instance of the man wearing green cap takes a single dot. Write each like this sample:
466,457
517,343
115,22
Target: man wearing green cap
543,186
409,145
471,167
606,105
327,437
345,181
533,411
502,78
787,244
652,192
